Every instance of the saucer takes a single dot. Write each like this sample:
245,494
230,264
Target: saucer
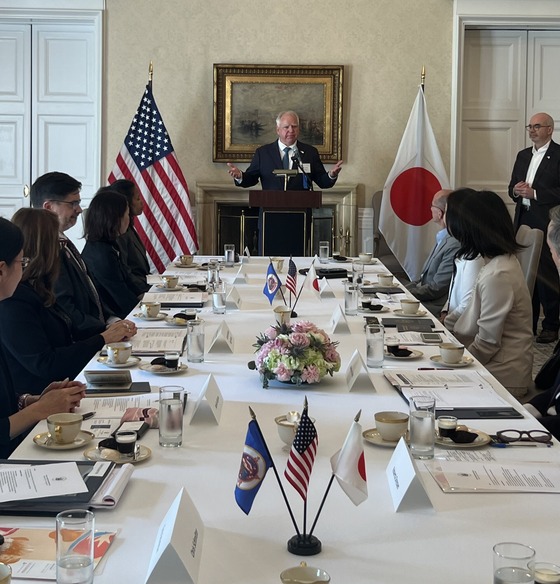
130,362
365,263
481,440
97,454
163,370
465,362
190,266
370,311
160,316
374,437
179,322
44,441
419,314
163,288
415,355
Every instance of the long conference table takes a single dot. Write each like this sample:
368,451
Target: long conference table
449,539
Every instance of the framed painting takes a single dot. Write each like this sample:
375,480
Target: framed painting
247,99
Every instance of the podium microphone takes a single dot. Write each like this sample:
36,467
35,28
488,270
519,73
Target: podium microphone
296,159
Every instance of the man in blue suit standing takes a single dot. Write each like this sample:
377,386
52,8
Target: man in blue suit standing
287,152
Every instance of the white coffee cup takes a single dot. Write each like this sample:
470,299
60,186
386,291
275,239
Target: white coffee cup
170,281
150,309
64,427
365,257
5,573
410,306
186,260
119,353
391,425
385,279
451,353
282,314
278,264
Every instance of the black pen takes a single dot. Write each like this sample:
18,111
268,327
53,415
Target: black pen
88,416
434,369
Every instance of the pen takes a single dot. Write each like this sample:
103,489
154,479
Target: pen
504,445
435,369
88,416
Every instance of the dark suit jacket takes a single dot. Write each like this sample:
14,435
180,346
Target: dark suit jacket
133,255
267,158
546,183
75,297
37,343
110,276
9,401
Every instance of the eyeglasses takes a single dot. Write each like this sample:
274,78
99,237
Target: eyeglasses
507,436
75,204
24,262
535,127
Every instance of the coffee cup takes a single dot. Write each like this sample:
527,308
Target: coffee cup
119,353
304,574
446,426
282,314
126,442
64,427
451,353
278,264
170,281
410,306
150,309
186,260
365,257
5,573
391,425
385,279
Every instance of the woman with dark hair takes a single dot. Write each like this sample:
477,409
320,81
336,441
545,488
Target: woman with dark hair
35,333
496,326
21,412
131,246
106,219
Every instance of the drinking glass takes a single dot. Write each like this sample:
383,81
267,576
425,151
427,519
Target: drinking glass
229,254
545,572
171,409
219,298
513,563
375,345
74,546
422,426
195,341
350,298
324,248
357,272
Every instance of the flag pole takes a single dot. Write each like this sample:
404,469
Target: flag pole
150,73
423,77
302,285
254,417
356,419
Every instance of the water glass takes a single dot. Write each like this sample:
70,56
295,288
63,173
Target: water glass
74,546
213,273
357,272
324,249
513,563
195,341
350,298
229,254
545,572
219,298
171,409
375,345
422,426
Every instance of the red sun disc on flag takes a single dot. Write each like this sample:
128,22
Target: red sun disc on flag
411,195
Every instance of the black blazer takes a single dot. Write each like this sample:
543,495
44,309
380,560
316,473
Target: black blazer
37,343
267,158
110,276
133,255
546,183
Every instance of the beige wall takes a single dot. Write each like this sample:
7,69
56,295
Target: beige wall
382,44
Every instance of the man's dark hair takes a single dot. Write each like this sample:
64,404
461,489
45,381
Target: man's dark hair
52,186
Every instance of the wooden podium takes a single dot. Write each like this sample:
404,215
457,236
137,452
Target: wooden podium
285,219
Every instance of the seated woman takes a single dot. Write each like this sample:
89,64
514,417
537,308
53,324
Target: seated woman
19,411
131,246
496,326
35,333
106,218
461,289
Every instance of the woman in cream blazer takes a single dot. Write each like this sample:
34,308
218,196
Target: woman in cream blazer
496,326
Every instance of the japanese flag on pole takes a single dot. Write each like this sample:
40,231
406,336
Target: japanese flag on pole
417,174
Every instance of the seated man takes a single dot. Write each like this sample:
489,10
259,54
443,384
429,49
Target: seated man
433,286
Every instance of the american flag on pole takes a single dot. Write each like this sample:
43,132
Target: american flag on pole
291,278
147,158
302,455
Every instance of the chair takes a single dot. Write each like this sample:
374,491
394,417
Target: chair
532,240
380,248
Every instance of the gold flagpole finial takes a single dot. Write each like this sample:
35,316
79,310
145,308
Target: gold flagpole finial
150,72
357,418
423,77
252,413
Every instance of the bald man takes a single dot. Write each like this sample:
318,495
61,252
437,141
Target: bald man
535,188
433,286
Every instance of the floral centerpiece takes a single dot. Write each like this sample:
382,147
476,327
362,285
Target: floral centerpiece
298,353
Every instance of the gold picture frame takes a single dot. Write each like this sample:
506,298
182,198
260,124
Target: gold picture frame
247,99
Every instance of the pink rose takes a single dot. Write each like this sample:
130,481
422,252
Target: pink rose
299,339
270,332
310,374
303,326
283,373
331,354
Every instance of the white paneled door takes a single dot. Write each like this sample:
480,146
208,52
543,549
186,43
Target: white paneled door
49,106
508,75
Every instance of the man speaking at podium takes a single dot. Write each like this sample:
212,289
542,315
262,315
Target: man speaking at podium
286,153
